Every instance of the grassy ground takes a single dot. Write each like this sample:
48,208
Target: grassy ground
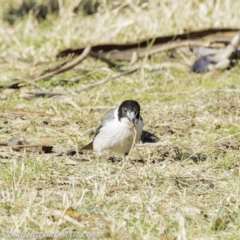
186,187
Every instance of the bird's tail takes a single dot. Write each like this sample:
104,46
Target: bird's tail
88,147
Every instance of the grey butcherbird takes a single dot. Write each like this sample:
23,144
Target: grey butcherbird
114,133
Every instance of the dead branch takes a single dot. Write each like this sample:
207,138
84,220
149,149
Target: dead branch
124,51
106,80
173,45
46,93
155,67
58,70
42,144
57,67
104,59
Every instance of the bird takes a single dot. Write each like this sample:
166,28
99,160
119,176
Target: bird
115,133
222,58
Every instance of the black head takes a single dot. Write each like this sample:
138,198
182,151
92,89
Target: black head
129,109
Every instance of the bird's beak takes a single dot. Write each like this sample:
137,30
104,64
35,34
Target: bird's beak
132,117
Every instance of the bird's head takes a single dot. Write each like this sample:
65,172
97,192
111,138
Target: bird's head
129,109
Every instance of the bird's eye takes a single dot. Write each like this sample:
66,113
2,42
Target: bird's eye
125,110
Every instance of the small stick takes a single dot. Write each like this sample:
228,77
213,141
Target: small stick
66,67
42,144
174,45
62,69
106,80
57,67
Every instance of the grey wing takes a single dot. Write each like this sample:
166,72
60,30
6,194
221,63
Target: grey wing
109,116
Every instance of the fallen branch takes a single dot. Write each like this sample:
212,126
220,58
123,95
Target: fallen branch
37,94
104,59
56,70
66,67
155,67
105,80
173,45
124,51
42,144
57,67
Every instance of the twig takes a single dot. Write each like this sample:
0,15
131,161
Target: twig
62,69
105,80
57,67
37,94
221,90
155,67
173,45
104,59
196,90
67,66
42,144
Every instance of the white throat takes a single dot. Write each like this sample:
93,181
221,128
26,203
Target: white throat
122,120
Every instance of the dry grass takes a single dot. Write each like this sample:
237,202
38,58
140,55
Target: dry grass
186,187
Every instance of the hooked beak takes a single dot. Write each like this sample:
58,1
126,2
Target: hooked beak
132,117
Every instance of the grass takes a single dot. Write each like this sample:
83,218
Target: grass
185,188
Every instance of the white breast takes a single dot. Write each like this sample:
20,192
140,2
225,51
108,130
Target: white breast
116,136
